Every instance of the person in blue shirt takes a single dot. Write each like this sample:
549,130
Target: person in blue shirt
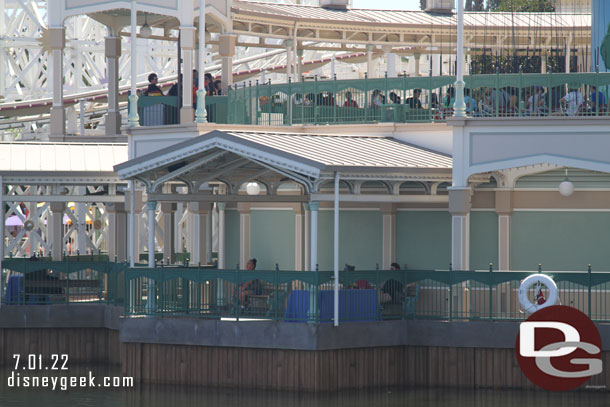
597,99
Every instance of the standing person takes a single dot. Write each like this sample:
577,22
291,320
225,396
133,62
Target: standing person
209,84
153,88
392,291
218,87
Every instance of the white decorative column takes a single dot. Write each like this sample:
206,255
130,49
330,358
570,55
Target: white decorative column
568,53
151,206
543,61
221,235
417,59
209,236
388,215
299,64
459,106
369,61
299,255
113,53
135,219
288,45
226,49
391,65
504,209
198,212
58,115
244,234
168,211
201,115
313,247
134,119
306,237
459,207
117,231
187,46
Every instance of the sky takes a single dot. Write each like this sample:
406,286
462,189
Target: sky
387,4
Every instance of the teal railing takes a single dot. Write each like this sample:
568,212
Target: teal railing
77,279
364,295
396,99
165,110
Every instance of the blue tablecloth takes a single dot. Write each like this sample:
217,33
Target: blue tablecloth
14,290
354,305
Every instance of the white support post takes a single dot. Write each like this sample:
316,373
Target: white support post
226,49
134,119
208,234
459,207
152,296
288,44
187,44
298,239
2,52
57,232
369,61
313,247
306,238
201,115
389,236
58,114
244,234
221,235
336,253
504,209
459,106
168,211
198,221
113,53
132,223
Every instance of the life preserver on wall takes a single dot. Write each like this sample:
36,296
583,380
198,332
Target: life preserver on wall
538,279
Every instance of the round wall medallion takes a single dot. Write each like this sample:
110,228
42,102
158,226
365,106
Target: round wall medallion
28,225
97,224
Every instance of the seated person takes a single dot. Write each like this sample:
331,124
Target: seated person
360,284
597,99
392,291
377,99
153,88
394,98
573,100
349,102
413,102
254,287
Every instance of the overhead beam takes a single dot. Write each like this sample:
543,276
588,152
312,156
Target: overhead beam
64,198
226,198
382,198
187,168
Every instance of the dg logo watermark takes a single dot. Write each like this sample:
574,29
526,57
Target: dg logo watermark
559,348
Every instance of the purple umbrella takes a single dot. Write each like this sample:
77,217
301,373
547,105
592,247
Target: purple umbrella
13,221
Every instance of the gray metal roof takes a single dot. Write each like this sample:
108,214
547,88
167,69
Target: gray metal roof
408,17
308,154
60,157
349,150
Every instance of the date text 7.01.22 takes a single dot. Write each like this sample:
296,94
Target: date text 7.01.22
36,362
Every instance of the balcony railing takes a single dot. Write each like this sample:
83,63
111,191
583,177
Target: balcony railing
364,295
421,99
77,279
164,110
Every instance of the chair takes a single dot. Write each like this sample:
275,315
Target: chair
409,305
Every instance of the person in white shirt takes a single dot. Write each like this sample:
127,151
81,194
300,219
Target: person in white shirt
573,100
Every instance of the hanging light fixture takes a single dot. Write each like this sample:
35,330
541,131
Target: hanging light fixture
566,188
145,30
253,188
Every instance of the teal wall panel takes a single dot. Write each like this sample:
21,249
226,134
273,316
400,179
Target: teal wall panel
423,239
231,239
483,239
360,239
272,238
560,240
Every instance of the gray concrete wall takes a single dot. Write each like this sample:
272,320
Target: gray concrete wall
61,316
303,336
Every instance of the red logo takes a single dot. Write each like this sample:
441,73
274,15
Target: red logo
559,348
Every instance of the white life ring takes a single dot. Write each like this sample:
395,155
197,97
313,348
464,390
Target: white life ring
529,281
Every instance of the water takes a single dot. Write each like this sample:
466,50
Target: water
142,395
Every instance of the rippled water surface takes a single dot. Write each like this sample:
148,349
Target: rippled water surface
188,396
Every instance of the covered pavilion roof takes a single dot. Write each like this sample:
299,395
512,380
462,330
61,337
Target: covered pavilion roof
235,157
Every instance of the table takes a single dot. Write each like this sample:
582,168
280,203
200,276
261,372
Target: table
354,306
